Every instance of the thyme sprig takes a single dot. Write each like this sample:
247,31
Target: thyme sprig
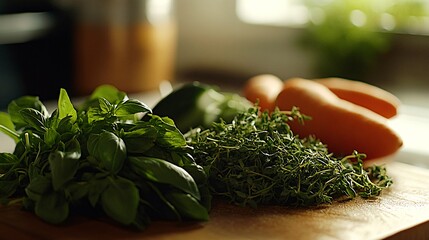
257,159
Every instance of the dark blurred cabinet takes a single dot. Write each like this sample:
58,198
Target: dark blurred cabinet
36,55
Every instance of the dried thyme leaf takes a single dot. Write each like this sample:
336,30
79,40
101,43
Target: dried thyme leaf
257,159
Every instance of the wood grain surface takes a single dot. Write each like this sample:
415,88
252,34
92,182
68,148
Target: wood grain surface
401,212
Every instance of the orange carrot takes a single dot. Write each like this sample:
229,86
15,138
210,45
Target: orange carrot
341,125
263,88
363,94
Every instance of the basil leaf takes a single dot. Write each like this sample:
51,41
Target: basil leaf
108,149
130,107
52,207
105,106
7,161
7,188
65,106
51,137
140,140
67,129
38,186
6,121
110,93
33,118
161,153
161,171
187,206
65,125
63,167
73,149
7,127
142,218
197,172
95,189
169,135
181,158
17,105
155,201
120,200
79,156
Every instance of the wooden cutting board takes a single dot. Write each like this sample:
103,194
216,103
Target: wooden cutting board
402,212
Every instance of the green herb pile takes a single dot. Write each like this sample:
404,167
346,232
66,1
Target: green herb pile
108,158
257,159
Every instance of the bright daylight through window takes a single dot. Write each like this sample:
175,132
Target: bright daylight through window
401,16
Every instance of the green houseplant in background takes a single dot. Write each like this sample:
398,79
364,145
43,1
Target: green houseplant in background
349,36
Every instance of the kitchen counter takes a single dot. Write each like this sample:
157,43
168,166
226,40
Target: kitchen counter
401,212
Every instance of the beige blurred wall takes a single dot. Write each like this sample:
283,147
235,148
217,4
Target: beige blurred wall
211,37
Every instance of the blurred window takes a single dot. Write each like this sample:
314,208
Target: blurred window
399,16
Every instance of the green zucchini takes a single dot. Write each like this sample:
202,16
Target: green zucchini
199,105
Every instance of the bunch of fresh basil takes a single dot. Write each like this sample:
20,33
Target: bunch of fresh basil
109,157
